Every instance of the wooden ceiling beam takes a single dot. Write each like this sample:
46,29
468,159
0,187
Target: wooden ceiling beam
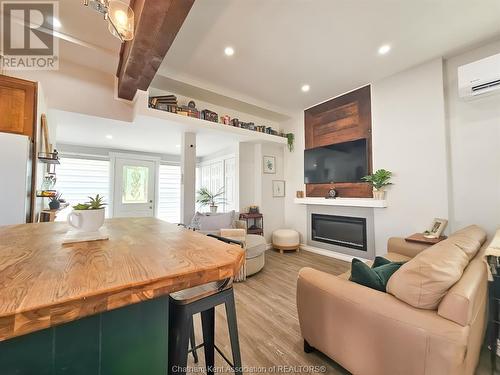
157,23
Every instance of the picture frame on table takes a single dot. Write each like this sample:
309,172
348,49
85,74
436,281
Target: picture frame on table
436,229
278,188
269,164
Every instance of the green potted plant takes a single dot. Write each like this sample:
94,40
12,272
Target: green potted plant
379,180
88,216
207,198
55,202
291,139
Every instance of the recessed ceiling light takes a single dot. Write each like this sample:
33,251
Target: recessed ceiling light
305,88
109,136
56,23
229,51
384,49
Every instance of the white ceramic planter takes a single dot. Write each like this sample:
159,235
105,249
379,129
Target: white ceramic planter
86,220
379,194
213,209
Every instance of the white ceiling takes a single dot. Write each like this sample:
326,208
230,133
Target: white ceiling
145,134
329,44
84,37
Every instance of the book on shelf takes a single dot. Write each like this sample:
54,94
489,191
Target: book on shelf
155,101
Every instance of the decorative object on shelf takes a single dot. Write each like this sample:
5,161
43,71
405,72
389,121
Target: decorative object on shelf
226,120
254,223
235,122
299,194
209,115
89,215
164,103
332,193
436,229
207,198
253,209
192,104
119,15
48,182
55,202
46,193
379,180
278,188
269,164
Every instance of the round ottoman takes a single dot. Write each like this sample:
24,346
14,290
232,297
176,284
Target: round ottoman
286,239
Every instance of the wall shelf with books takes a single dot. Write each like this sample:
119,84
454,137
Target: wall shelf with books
191,121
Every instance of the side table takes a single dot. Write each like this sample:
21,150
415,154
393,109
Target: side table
255,223
420,238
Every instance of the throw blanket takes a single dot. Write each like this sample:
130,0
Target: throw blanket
493,250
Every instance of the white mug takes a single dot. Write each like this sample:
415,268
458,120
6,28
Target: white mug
86,220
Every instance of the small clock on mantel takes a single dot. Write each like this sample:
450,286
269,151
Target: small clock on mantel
332,193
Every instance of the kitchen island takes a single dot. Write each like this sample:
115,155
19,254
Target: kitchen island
98,307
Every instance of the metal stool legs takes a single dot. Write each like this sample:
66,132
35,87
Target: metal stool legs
233,333
192,342
182,332
208,327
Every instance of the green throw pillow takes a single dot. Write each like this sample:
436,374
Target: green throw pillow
376,277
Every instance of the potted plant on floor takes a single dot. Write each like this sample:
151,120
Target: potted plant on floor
89,216
379,180
207,198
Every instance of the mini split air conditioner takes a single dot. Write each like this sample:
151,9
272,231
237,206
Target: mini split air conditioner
479,77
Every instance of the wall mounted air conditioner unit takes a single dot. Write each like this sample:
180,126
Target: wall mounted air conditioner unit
479,77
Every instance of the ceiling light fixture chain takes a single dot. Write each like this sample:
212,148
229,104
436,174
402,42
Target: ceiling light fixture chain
119,15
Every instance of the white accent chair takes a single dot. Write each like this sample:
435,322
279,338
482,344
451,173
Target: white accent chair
225,225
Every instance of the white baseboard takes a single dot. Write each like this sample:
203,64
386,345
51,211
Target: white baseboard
331,254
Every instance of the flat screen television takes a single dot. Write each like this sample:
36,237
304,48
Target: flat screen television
341,162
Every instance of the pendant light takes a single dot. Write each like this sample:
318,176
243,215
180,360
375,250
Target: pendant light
119,15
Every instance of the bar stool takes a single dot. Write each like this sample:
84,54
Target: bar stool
201,299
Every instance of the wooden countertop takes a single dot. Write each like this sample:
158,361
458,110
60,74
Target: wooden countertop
44,283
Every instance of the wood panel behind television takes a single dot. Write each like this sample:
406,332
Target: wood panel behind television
342,119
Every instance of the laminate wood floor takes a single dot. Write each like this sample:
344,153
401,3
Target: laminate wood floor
268,325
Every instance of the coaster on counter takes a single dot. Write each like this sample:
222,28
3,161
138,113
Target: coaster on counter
75,236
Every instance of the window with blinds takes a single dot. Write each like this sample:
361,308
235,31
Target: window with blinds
77,179
169,203
217,175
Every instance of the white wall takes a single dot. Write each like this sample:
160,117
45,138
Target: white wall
76,88
474,130
409,138
273,208
255,187
295,214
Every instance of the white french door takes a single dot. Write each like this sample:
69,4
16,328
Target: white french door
134,187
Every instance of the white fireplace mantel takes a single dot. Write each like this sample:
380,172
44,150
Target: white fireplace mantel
345,202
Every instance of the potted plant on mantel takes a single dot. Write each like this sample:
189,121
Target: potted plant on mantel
207,198
89,216
379,180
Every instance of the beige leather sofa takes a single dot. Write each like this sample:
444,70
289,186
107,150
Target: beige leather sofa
374,333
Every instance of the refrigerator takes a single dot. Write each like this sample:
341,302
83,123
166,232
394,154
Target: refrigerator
15,178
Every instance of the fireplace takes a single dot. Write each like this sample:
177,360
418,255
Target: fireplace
342,231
